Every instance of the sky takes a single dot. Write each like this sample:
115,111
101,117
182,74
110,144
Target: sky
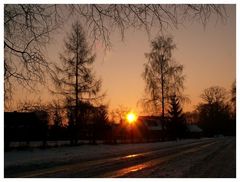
207,54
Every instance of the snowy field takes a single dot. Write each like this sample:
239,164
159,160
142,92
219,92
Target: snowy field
66,154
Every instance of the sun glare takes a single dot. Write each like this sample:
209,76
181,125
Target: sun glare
131,117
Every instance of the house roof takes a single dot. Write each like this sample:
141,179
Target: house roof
194,128
151,122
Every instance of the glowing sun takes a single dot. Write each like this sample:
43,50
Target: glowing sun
131,117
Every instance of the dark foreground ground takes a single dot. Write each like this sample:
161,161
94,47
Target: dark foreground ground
205,158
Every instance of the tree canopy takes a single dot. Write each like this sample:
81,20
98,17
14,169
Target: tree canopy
164,77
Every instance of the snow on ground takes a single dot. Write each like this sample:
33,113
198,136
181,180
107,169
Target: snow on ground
84,152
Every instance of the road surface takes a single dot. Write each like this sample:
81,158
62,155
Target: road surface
210,158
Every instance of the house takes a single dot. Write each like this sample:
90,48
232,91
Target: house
194,131
151,127
25,126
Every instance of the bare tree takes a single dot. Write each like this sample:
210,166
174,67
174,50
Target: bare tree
102,19
233,94
118,115
214,112
56,112
214,94
28,28
26,31
75,79
164,77
32,106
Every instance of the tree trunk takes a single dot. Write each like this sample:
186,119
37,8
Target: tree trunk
163,100
76,92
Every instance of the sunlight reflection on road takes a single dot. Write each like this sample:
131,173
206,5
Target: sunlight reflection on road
131,156
137,168
130,169
151,163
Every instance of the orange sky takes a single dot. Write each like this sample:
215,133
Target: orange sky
208,56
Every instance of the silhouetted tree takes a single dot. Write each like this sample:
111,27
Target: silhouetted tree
28,28
214,94
100,124
57,117
118,115
32,106
75,79
176,125
163,76
233,96
233,110
214,113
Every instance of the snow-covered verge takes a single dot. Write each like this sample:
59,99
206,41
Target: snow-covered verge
52,156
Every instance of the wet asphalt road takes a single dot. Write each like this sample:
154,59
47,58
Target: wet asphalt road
204,158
